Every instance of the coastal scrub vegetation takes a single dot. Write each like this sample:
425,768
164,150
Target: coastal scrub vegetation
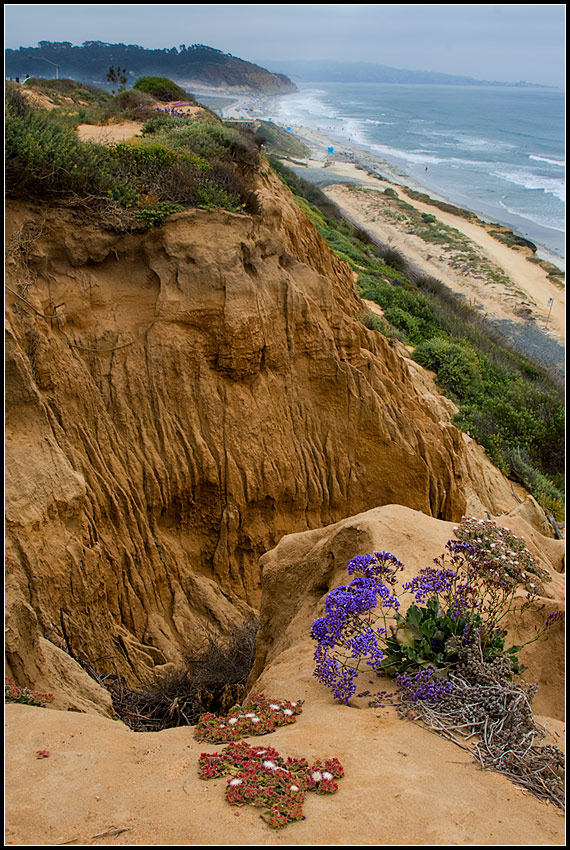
179,160
445,650
510,404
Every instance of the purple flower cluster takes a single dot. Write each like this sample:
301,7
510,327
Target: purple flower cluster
174,113
424,685
464,595
348,635
338,677
431,582
379,565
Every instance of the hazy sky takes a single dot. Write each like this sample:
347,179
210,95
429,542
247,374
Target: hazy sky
490,42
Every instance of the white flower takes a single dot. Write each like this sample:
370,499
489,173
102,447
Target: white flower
232,721
255,719
287,711
317,775
250,715
293,788
327,775
269,765
236,781
274,706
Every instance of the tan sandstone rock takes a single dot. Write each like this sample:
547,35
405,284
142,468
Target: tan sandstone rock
199,391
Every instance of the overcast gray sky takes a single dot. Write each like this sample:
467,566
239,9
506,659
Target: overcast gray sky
490,42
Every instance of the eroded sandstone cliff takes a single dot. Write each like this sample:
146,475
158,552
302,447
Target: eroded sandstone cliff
176,402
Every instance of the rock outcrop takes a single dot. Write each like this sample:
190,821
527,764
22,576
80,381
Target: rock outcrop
299,572
178,401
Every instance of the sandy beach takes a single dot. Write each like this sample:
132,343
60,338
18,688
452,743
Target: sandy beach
513,288
525,297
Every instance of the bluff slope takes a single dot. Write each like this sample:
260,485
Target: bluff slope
178,401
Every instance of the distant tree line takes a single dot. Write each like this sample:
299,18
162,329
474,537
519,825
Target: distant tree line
91,61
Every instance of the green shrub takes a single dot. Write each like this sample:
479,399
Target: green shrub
373,322
44,158
545,492
134,99
162,89
457,366
210,197
392,257
162,121
155,216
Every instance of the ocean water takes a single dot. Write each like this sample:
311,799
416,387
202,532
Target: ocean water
498,151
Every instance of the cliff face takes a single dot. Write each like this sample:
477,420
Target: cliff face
178,401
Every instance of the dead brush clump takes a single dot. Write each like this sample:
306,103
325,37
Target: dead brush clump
212,682
490,716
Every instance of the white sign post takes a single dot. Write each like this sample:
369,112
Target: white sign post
549,304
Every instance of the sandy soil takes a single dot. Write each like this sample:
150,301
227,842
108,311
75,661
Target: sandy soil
103,784
109,133
125,131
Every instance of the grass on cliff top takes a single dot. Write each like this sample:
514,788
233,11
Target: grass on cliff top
512,406
180,161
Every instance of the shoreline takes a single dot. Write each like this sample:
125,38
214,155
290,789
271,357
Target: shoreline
522,302
248,107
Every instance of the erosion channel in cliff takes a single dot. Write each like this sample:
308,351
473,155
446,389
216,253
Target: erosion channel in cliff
177,401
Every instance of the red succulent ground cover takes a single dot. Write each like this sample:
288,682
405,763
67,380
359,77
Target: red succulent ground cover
259,776
16,693
258,716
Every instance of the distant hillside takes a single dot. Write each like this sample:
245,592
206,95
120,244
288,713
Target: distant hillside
185,65
314,70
